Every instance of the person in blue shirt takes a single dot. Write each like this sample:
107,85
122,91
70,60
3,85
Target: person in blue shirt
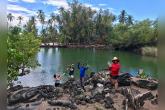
82,69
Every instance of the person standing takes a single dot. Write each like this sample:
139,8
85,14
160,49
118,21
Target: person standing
114,69
82,69
71,70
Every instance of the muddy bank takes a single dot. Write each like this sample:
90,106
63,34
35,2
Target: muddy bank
99,94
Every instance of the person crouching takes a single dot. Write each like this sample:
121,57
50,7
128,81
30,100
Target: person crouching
57,79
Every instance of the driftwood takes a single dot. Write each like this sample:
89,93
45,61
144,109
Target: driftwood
135,101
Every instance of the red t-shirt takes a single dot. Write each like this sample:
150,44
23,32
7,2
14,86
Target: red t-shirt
114,69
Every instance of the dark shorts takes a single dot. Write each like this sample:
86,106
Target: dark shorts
71,73
57,84
114,77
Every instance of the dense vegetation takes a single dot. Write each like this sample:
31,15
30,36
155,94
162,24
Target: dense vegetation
79,25
83,25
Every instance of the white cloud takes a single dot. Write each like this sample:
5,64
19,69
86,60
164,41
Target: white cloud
112,10
29,1
56,12
102,4
58,3
11,7
13,0
91,6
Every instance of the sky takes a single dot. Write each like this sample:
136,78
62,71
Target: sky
139,9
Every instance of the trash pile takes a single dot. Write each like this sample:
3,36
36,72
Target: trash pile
98,89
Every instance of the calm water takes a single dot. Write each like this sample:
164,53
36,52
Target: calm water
55,60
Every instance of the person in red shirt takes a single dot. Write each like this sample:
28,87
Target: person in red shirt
114,69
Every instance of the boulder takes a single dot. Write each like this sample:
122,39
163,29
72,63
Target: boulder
15,88
144,83
62,103
124,79
108,102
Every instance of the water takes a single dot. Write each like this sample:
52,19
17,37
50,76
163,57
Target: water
55,60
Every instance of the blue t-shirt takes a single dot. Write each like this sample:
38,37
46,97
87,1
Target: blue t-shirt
82,70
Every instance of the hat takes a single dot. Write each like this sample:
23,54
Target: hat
115,58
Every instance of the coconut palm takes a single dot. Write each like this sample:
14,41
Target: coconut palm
122,17
41,17
53,18
129,20
20,18
10,17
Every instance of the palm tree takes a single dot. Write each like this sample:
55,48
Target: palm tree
53,18
129,20
41,17
10,17
20,18
122,17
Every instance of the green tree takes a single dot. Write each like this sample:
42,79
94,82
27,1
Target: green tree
22,49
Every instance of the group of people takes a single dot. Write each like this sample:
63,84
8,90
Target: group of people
113,69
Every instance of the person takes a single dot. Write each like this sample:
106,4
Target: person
71,70
141,74
57,79
82,69
114,69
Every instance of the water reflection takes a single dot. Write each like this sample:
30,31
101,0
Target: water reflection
55,60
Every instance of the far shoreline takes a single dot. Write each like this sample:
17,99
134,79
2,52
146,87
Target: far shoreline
150,51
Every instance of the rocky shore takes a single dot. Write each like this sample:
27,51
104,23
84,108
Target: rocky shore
98,46
99,94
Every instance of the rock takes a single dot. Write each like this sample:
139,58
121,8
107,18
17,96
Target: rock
47,91
108,85
15,88
154,101
15,107
36,103
144,83
124,80
62,103
108,102
83,102
136,101
31,92
16,97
